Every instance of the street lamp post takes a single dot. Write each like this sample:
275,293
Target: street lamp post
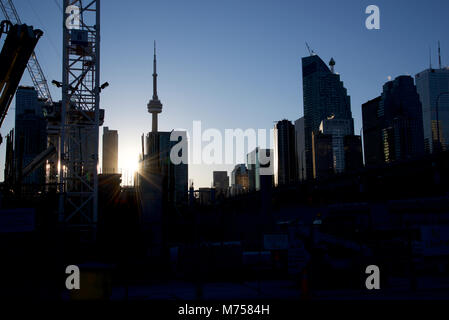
438,120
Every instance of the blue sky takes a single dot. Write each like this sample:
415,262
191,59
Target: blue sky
236,63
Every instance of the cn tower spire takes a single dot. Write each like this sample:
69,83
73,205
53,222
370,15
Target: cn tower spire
154,74
154,106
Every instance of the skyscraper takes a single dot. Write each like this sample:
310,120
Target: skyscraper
372,133
159,165
110,151
324,96
300,142
402,130
392,123
433,85
30,133
285,162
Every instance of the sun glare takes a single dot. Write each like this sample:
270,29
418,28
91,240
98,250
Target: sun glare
128,164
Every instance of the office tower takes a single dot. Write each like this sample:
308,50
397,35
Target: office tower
110,151
158,164
30,134
284,158
221,183
433,85
239,180
260,168
392,123
300,143
324,96
353,153
338,129
372,133
322,155
402,131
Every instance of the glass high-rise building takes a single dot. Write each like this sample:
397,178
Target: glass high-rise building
324,96
30,133
393,124
401,111
430,84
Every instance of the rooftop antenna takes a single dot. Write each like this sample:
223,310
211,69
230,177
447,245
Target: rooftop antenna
439,54
430,57
311,52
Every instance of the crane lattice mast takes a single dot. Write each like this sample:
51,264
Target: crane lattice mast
33,66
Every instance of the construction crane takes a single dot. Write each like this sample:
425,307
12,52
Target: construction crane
311,52
81,116
75,125
33,66
15,54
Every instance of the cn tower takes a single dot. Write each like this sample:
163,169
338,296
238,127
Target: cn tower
154,106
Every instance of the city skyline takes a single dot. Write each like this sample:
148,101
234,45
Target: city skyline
236,77
275,152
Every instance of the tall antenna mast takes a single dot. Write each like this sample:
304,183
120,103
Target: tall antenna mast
430,58
439,54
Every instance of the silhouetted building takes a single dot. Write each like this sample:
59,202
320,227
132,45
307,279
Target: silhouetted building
30,134
323,160
285,163
353,153
395,119
430,84
372,133
221,183
338,129
158,160
300,143
324,96
239,180
402,132
110,151
260,168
